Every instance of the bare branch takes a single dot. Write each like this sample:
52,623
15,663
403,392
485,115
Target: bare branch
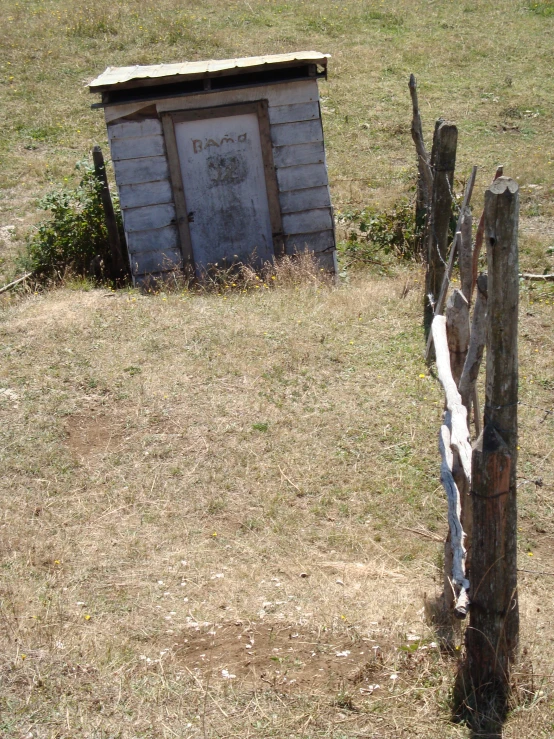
16,282
536,278
479,239
476,344
453,438
423,164
439,307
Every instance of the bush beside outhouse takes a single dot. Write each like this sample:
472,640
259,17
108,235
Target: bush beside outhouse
219,162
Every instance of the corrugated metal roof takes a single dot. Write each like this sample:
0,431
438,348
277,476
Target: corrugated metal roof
114,76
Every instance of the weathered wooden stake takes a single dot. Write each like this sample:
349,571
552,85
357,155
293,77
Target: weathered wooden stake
119,265
439,307
425,181
457,330
441,212
479,238
465,259
476,410
492,637
425,176
438,124
470,372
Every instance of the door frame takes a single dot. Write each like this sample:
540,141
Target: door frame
260,108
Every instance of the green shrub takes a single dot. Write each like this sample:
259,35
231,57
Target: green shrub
371,234
74,238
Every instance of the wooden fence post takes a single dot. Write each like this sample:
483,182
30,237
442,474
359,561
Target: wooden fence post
479,239
470,372
425,175
119,268
492,636
444,161
465,258
424,193
457,330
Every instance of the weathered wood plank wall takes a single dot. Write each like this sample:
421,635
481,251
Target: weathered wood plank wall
142,173
146,197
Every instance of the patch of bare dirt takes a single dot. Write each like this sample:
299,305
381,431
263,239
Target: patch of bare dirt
89,435
284,656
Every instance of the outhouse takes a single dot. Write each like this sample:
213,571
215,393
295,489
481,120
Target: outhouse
219,162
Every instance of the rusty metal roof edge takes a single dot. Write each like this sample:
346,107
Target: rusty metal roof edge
114,76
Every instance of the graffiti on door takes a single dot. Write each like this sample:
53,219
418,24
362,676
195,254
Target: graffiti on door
199,145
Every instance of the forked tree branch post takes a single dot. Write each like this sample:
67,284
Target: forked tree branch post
461,228
492,637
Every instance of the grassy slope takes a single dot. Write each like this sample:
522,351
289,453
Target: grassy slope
484,64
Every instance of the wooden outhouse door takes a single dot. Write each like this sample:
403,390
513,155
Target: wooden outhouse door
229,192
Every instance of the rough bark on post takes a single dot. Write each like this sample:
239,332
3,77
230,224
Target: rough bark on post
476,410
429,222
477,343
421,211
457,330
438,124
492,638
425,175
425,180
441,211
465,258
119,268
479,238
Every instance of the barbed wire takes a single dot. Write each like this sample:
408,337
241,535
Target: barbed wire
546,411
538,482
369,179
535,572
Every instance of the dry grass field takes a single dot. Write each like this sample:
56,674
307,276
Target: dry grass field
222,516
220,512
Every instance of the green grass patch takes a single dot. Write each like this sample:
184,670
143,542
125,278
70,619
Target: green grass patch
544,8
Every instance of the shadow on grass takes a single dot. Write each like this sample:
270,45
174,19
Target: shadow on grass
484,709
447,628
